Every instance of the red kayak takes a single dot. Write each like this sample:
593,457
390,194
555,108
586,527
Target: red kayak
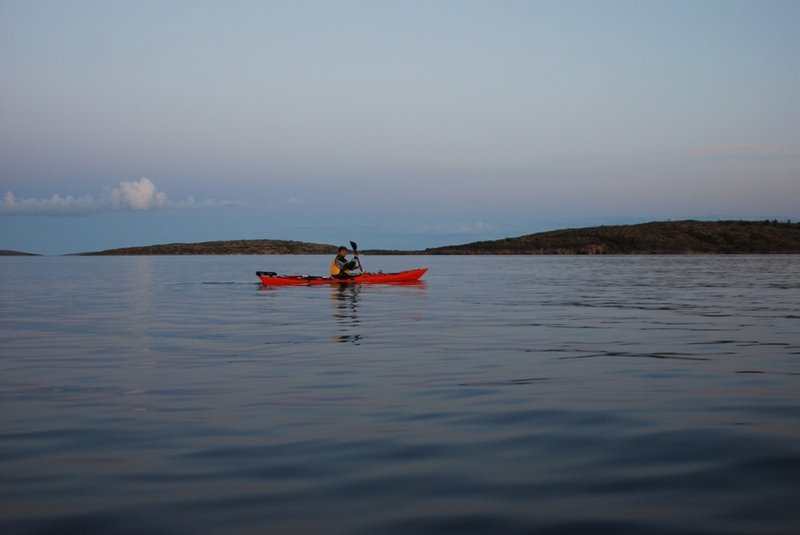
269,278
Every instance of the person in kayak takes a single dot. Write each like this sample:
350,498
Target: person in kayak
340,266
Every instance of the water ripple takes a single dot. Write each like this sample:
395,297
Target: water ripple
652,395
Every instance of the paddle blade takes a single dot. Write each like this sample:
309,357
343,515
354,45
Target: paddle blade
354,245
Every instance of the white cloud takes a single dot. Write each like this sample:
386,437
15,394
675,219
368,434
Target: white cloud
54,205
137,195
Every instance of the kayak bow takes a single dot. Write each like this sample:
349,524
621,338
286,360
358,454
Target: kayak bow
270,278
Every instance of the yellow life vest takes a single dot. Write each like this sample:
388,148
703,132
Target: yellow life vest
335,271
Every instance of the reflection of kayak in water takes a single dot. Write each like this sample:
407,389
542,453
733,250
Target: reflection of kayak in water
273,279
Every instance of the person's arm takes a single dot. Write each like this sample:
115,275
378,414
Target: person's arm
342,263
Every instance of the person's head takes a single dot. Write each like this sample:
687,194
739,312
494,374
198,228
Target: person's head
343,250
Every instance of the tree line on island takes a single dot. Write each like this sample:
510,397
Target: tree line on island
670,237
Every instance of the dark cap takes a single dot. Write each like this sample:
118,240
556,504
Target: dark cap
342,247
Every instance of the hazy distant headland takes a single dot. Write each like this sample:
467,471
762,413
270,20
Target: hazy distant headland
670,237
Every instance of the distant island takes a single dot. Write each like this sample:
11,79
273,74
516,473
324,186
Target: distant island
4,252
234,247
670,237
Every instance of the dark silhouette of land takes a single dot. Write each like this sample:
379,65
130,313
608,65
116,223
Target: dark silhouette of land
4,252
671,237
241,247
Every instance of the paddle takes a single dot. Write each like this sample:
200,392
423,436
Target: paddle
354,245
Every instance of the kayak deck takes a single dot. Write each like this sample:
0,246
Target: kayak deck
270,278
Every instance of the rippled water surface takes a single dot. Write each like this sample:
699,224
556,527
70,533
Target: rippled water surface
501,395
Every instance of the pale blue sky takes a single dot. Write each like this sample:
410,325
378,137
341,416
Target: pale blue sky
397,124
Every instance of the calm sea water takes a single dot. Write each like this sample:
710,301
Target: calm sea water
502,395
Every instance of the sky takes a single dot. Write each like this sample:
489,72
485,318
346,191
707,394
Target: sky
397,124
